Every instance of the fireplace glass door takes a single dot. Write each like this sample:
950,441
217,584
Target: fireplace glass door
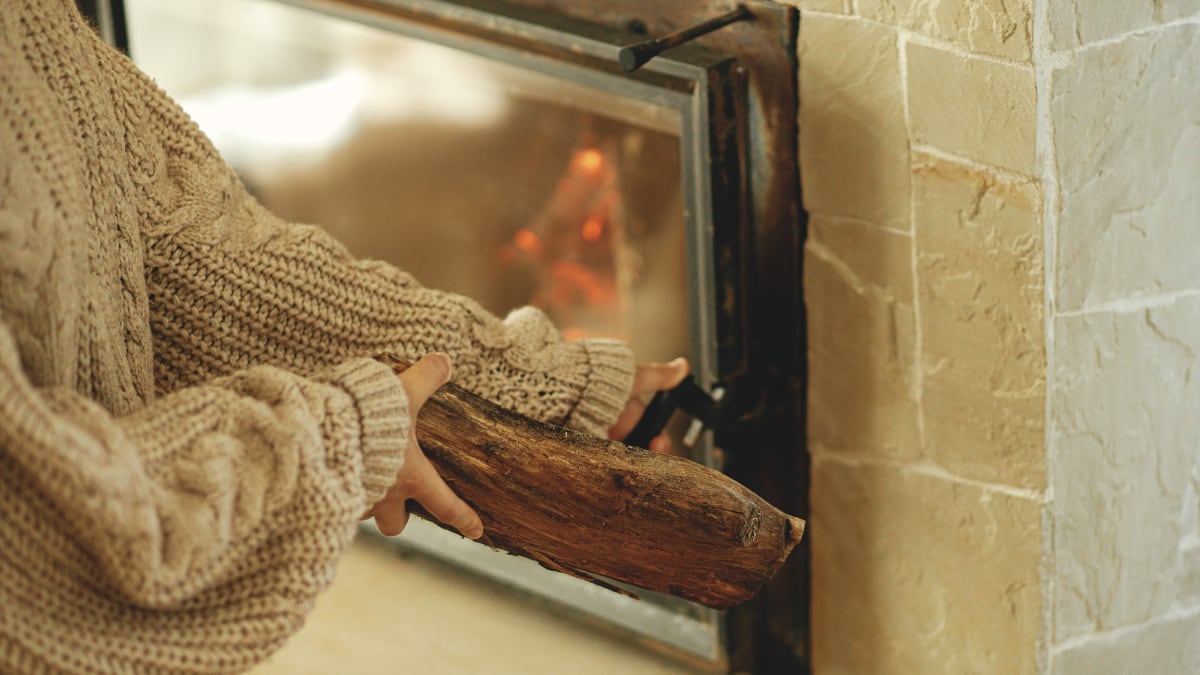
480,174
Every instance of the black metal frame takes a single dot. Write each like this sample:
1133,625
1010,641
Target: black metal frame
108,16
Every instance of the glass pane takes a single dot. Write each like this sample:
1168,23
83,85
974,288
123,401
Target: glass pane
508,186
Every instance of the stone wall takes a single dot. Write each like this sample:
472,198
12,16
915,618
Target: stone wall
1120,90
1006,471
924,284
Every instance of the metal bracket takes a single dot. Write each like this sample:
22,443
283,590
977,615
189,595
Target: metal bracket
635,56
712,410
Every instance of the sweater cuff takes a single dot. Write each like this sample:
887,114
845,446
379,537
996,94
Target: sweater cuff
384,418
609,384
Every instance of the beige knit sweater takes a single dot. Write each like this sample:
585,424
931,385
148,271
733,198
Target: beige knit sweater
189,425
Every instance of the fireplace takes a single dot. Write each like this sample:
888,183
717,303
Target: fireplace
502,150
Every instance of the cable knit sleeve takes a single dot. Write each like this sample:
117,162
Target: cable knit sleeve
217,511
231,285
169,497
295,298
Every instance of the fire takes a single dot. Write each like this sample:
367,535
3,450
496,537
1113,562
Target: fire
528,242
569,251
589,161
592,229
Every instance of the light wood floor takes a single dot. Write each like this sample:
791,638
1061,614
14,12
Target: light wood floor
388,613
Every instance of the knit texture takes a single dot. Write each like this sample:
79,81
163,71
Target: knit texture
190,423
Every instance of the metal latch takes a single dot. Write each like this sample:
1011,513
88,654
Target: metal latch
707,410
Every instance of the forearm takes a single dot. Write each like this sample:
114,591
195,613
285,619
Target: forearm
192,537
293,297
172,500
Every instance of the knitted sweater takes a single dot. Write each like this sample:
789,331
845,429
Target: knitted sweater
190,425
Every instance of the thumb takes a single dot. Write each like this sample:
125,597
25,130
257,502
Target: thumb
651,377
425,377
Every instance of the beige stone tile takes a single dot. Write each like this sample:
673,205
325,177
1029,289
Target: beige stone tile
1078,22
388,614
853,140
1002,28
980,280
858,288
1166,647
1189,548
915,574
1126,452
1127,141
976,108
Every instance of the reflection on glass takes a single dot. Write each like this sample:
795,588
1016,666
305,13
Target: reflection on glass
510,187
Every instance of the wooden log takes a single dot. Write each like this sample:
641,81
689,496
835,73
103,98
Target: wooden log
587,506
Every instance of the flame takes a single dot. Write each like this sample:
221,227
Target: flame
592,229
567,251
528,242
589,161
571,281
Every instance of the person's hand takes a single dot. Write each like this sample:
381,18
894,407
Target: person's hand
417,479
647,379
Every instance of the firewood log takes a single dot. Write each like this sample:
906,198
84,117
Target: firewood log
587,506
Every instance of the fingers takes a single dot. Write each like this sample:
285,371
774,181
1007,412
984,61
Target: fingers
419,480
652,377
647,379
441,502
628,419
423,378
660,444
390,516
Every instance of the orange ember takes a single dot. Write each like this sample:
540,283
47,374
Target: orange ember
589,161
592,229
528,242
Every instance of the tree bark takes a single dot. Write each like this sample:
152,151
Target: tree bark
587,506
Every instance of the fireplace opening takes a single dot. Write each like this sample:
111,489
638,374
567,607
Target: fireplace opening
499,150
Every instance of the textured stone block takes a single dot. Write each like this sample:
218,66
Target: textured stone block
914,574
1166,647
1127,139
1001,28
980,280
1126,452
1189,548
858,287
1074,23
853,139
980,109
